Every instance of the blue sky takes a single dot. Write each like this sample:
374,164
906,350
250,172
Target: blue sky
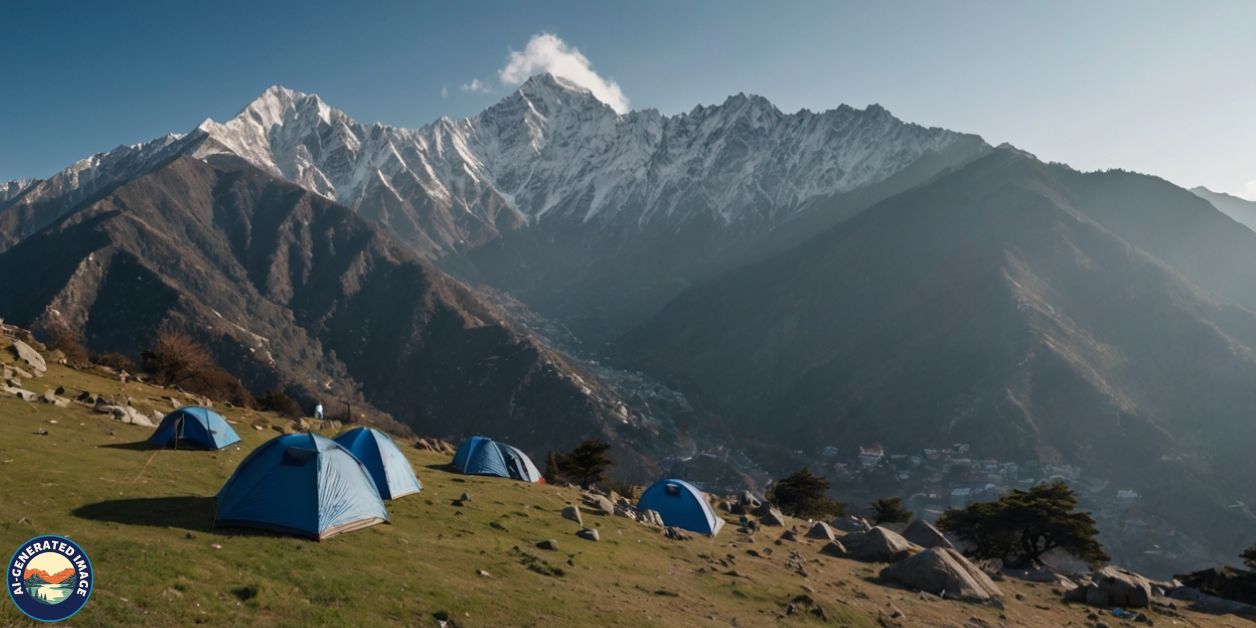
1163,88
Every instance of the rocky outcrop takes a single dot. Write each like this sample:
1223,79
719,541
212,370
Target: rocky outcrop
944,572
877,545
923,533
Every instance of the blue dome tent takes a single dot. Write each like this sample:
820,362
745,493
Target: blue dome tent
300,484
393,475
194,426
482,456
681,505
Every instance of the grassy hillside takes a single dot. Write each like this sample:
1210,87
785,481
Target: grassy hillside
144,517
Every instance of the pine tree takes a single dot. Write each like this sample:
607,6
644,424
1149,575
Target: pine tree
586,464
890,510
802,495
1023,525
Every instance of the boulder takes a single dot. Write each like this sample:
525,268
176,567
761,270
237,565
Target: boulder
125,414
821,530
772,517
923,533
548,544
850,524
746,498
878,545
589,534
49,396
676,534
30,356
762,509
835,548
789,535
945,572
24,395
650,517
600,503
572,513
465,497
1122,587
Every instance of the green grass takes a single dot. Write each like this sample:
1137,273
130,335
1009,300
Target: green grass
144,518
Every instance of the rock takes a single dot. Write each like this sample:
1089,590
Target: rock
625,511
601,504
834,548
762,509
125,414
1123,588
746,498
850,524
942,571
878,545
588,534
772,517
60,390
821,530
789,535
30,356
158,417
676,534
22,374
49,396
651,517
572,513
548,544
464,498
24,395
61,402
923,533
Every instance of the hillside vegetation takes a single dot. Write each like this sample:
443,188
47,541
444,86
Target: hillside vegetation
145,518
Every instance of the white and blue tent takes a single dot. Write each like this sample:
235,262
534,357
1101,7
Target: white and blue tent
300,484
681,505
194,426
482,456
393,475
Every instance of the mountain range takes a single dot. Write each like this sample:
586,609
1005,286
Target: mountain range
39,576
551,270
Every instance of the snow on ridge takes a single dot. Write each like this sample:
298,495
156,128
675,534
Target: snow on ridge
551,150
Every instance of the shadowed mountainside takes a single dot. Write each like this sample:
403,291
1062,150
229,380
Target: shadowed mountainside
292,290
1007,306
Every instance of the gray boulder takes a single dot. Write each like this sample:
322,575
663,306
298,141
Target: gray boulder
1122,587
600,503
30,356
588,534
548,544
746,498
945,572
850,524
821,530
923,533
650,517
878,545
772,517
676,534
573,514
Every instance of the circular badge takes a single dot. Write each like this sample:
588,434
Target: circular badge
49,578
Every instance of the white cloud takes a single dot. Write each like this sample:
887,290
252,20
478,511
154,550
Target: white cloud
1251,191
548,53
476,85
444,93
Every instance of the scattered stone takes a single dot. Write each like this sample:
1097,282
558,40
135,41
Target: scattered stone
49,396
821,530
676,534
650,517
588,534
572,513
772,517
850,524
788,535
835,548
600,503
30,356
1122,588
923,533
548,544
484,574
944,572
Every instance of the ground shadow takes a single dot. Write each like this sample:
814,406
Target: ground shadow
189,513
447,467
137,446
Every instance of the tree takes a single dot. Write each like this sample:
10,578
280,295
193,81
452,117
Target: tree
1249,557
67,340
176,357
586,464
1023,525
802,495
280,403
890,510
